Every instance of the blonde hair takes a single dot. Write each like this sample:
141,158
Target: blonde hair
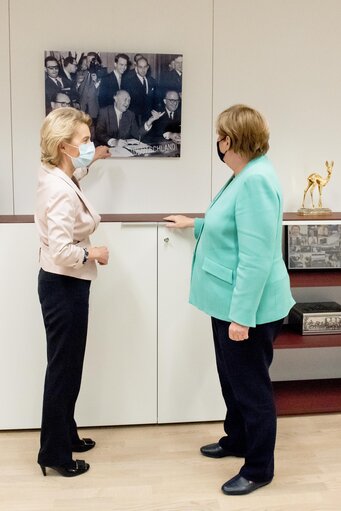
59,126
247,129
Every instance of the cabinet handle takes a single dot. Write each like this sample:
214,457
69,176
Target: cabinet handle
166,240
134,224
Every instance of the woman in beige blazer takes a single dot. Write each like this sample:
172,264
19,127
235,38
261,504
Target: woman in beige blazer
65,219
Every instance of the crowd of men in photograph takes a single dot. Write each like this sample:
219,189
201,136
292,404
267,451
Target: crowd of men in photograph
126,103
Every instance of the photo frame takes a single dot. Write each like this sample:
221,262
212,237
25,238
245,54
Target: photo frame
134,99
313,247
323,323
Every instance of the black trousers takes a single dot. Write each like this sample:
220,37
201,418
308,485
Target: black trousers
250,423
65,307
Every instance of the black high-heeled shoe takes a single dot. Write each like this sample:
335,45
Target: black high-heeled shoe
77,468
84,445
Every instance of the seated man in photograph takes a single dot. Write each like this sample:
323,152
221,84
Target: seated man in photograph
116,123
60,100
168,126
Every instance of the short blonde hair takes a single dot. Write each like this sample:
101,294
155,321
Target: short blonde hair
59,126
247,129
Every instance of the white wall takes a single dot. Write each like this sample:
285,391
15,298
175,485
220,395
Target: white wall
117,186
6,190
282,57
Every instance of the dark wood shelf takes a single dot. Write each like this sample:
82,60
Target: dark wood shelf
294,217
308,396
288,339
315,278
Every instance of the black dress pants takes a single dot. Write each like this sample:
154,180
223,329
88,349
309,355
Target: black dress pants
250,424
65,306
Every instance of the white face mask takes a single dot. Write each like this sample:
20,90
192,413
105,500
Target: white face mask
86,155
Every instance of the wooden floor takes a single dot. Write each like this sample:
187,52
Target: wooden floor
159,468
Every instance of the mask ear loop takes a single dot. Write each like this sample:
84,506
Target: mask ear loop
75,146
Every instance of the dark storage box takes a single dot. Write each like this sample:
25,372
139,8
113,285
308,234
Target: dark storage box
316,318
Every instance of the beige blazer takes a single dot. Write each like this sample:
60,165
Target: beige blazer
65,219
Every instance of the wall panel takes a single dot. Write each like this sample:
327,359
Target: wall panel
6,189
283,59
134,186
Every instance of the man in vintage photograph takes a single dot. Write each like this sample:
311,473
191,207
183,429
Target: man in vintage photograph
172,78
68,76
68,70
113,81
53,81
142,88
116,123
168,126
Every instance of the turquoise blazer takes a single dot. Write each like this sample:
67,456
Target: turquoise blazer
238,272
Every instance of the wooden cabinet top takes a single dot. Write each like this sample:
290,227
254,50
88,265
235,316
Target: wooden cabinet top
158,217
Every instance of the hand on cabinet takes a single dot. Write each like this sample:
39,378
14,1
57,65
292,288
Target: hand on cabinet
179,221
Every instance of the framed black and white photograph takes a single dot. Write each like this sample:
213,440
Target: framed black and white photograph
134,99
326,323
313,247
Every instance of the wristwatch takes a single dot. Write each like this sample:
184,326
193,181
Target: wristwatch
86,255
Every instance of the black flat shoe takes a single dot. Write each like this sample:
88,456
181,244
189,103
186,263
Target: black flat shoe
77,468
85,445
238,485
216,451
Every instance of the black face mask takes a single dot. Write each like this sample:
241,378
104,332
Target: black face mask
220,154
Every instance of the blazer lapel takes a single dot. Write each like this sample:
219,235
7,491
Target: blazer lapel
221,191
236,178
61,175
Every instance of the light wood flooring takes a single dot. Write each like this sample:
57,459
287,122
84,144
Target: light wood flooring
159,468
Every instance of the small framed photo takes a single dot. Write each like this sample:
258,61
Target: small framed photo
324,323
313,247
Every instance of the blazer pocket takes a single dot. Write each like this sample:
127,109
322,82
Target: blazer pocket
218,270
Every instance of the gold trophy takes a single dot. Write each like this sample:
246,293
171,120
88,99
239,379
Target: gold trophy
315,180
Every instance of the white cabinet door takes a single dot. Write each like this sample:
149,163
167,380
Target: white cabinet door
120,380
22,334
188,387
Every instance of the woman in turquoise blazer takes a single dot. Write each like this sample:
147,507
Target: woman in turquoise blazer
240,280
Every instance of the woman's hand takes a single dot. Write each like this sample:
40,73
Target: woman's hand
101,153
99,254
238,332
179,221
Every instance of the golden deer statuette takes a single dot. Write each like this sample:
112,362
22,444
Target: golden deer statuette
316,180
